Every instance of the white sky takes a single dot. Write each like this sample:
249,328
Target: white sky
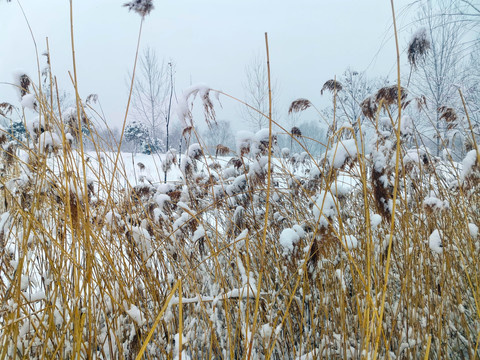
211,41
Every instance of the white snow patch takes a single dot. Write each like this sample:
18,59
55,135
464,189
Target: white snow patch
435,241
135,313
468,163
341,151
473,230
351,242
435,203
29,101
325,208
47,140
375,220
288,238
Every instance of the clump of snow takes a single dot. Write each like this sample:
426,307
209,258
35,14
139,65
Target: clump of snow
351,242
143,240
176,351
325,208
160,199
435,203
238,185
341,151
468,163
379,160
406,126
299,230
180,222
343,185
266,331
315,173
473,230
29,101
288,238
37,296
435,241
111,217
199,233
263,135
244,140
195,151
241,238
339,276
385,122
185,163
258,166
135,313
48,141
375,220
165,188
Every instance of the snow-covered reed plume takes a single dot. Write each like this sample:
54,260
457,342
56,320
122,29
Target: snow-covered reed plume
418,47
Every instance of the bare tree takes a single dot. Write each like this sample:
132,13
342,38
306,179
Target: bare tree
440,72
220,133
356,87
256,93
151,93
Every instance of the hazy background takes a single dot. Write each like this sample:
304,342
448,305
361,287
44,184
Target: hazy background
209,41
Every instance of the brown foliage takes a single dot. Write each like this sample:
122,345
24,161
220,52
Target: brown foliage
332,86
299,105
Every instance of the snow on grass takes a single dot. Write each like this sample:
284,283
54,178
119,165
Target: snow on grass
435,241
468,163
351,242
288,238
341,152
375,220
473,230
325,208
135,313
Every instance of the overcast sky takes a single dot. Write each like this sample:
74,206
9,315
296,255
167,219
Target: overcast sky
210,41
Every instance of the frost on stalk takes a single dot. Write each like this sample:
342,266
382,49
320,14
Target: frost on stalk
141,7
